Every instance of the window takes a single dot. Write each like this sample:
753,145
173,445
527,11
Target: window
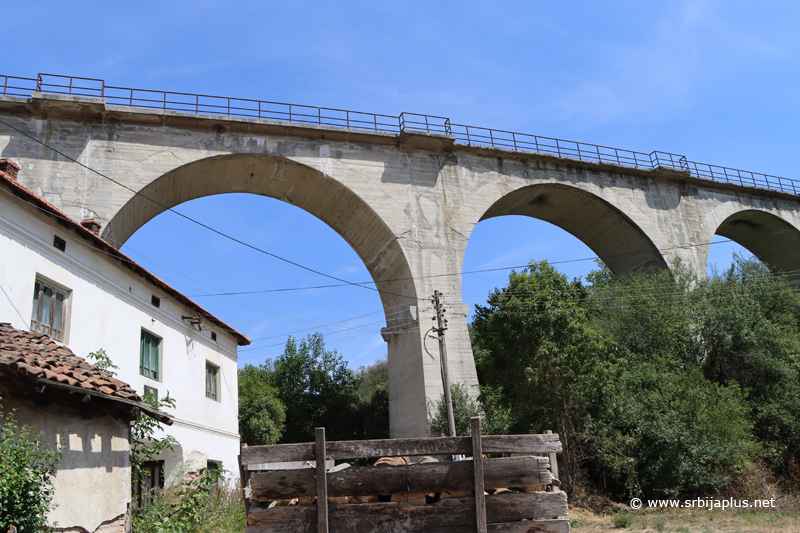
49,313
148,356
150,390
148,481
211,381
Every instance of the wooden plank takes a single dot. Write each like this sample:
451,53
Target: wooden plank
244,477
322,483
397,517
429,477
287,465
477,465
397,447
553,465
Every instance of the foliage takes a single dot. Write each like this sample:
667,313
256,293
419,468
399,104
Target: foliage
261,413
317,389
373,400
750,336
670,431
27,465
657,383
622,519
103,361
205,505
145,446
534,343
371,379
464,409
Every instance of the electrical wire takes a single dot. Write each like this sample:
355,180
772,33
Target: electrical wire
197,222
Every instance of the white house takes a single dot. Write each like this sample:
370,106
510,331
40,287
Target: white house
58,277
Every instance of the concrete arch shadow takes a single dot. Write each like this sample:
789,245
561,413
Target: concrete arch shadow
276,177
610,234
775,242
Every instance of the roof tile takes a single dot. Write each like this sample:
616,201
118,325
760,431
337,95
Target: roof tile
39,356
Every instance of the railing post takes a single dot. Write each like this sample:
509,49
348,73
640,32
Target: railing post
477,464
322,482
290,113
197,104
39,82
514,138
165,100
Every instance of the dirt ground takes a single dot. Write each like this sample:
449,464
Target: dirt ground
686,521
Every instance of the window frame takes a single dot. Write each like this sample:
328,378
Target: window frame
146,477
148,372
212,394
36,324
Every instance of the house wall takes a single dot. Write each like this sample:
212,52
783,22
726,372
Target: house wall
108,306
92,486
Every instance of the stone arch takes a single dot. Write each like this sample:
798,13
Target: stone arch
607,231
773,240
297,184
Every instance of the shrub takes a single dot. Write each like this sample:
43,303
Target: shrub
26,468
622,519
203,505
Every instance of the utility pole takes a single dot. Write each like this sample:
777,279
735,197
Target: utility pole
442,327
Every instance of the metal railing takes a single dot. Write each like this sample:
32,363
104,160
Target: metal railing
342,118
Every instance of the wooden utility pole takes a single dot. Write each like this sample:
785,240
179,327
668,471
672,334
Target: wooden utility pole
442,327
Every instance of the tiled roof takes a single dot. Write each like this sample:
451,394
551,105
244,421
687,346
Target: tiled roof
28,195
38,356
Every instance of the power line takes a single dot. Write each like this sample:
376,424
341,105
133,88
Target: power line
201,224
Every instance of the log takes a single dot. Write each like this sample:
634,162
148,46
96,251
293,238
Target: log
426,478
401,517
491,444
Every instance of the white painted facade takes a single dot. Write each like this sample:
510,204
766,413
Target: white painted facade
108,305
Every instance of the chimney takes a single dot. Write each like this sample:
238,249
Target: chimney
10,168
92,225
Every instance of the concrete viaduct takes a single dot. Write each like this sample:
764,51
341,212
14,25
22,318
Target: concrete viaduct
406,201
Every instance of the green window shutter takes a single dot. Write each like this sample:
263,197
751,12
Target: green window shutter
148,356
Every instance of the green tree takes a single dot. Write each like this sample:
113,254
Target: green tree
317,389
534,343
749,335
261,413
372,388
27,466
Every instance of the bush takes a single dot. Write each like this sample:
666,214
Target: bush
26,468
671,431
203,505
622,519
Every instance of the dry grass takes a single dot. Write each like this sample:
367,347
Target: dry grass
688,521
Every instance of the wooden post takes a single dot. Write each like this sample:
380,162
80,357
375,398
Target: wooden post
244,476
477,462
553,465
322,482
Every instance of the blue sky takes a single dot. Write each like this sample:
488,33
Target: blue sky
715,81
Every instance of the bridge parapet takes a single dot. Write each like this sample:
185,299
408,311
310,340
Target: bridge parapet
357,120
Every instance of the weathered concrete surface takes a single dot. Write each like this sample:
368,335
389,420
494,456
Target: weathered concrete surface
407,204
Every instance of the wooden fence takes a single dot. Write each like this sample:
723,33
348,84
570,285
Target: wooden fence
468,509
